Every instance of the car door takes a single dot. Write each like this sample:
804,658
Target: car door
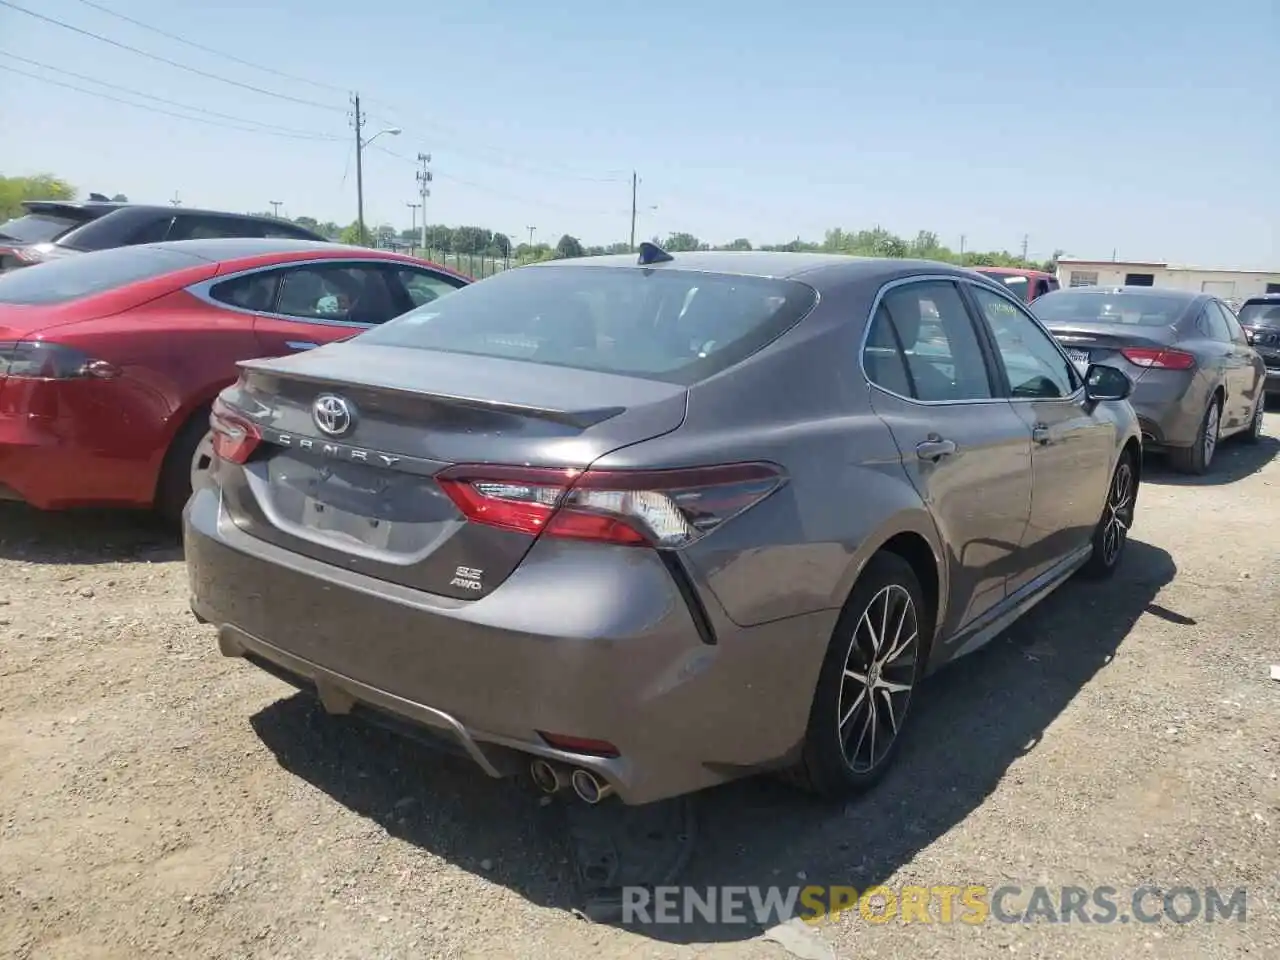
1246,376
321,302
1071,448
1229,364
965,449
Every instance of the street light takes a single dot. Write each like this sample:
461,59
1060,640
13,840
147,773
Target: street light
360,145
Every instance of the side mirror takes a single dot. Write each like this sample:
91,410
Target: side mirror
1106,383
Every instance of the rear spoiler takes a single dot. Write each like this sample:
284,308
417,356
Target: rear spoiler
578,419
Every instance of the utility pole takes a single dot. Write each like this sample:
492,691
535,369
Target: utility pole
634,181
413,219
1025,238
358,123
175,201
531,229
424,178
275,208
962,244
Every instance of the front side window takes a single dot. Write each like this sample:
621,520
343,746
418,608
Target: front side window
424,287
922,338
1035,366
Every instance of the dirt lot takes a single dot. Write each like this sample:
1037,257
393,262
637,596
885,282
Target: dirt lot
159,800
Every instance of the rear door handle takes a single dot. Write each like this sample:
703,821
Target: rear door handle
300,344
935,450
1040,434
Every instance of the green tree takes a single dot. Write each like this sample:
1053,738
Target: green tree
468,240
351,234
742,243
501,245
681,243
119,198
569,247
45,186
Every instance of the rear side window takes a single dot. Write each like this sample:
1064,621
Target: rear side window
255,291
58,281
660,324
197,227
36,227
923,339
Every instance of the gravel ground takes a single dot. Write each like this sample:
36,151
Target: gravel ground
159,800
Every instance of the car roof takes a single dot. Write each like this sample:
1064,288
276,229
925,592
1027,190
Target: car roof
110,206
218,249
1012,271
777,264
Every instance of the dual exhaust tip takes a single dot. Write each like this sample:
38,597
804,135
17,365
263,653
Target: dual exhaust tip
587,786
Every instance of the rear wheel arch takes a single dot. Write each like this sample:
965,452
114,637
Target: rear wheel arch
919,555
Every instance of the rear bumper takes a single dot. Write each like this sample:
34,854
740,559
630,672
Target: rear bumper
582,640
1169,408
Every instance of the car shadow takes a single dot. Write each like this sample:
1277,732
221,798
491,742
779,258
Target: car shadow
973,719
84,536
1233,462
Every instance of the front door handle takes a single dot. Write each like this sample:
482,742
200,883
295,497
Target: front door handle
1040,434
300,345
935,449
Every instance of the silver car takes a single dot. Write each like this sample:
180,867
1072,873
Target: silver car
639,526
1197,378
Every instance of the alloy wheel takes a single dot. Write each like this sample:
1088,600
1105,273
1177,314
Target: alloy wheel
1211,426
1119,515
879,674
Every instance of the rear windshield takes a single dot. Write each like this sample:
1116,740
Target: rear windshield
1100,306
57,281
36,227
1012,281
662,324
1260,314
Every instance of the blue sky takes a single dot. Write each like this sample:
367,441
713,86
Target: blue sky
1141,127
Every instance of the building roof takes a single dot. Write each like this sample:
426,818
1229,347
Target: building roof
1158,264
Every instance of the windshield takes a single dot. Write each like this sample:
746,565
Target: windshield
1260,313
1103,306
58,281
1012,281
36,227
664,324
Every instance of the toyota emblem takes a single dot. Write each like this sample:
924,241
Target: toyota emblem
333,415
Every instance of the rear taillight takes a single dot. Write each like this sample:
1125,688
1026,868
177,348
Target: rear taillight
656,508
38,360
1159,358
234,437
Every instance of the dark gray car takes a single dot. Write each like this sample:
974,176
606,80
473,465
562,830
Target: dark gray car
1197,379
1260,318
644,527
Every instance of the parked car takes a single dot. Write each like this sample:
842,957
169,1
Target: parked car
1260,318
644,526
109,361
1196,378
51,230
1026,284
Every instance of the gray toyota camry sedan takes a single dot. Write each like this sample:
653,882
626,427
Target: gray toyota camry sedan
641,525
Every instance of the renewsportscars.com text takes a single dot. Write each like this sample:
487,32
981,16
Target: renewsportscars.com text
972,904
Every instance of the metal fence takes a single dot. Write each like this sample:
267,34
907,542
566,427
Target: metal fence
475,265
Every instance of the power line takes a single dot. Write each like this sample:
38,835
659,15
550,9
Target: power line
268,127
217,53
171,63
148,108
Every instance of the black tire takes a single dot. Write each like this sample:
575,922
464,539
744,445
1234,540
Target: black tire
825,768
174,487
1254,433
1111,536
1198,458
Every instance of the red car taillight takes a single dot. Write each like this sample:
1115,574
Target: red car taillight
656,508
234,437
1159,358
38,360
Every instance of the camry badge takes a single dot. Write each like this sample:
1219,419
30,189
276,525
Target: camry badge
334,416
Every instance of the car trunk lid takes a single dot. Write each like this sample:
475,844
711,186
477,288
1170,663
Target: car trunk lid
360,491
1089,343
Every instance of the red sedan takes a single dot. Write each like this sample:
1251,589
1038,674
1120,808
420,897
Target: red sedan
109,361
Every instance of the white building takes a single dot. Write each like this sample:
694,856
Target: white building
1228,284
